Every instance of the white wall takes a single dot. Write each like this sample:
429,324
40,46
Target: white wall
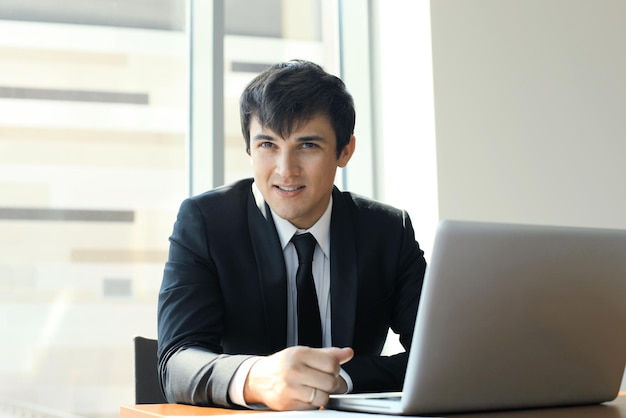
530,104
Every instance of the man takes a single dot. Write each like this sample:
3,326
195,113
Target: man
229,306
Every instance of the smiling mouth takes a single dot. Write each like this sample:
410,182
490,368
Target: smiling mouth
289,189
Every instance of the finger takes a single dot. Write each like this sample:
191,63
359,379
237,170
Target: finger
341,355
322,381
344,355
341,386
307,398
319,369
318,398
320,359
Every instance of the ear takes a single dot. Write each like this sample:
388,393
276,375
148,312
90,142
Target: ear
346,152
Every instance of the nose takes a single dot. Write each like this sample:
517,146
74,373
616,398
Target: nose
287,164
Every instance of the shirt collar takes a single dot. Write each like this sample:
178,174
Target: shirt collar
320,230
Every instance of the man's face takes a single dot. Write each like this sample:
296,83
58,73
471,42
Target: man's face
296,174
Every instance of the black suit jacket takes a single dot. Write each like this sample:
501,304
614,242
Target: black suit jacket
224,291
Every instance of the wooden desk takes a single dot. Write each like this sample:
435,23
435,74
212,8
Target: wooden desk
175,410
615,409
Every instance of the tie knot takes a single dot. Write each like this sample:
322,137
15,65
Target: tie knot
305,246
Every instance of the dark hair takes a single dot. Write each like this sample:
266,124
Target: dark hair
293,92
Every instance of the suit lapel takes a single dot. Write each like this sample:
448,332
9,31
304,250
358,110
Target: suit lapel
343,272
271,269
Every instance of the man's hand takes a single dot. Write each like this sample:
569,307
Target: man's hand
297,378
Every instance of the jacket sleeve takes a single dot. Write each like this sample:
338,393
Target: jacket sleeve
192,366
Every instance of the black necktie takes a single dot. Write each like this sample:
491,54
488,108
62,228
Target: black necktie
309,323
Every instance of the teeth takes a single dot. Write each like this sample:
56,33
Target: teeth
288,189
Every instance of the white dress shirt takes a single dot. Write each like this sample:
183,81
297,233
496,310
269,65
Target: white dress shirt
321,273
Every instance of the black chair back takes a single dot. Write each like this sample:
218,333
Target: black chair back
147,385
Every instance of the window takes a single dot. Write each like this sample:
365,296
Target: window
93,165
94,162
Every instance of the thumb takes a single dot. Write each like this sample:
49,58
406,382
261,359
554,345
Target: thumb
343,355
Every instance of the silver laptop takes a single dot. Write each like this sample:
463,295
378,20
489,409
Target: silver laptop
513,316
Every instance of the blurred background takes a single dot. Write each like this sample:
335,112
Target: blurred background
112,112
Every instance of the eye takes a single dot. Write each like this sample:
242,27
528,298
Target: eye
266,144
308,145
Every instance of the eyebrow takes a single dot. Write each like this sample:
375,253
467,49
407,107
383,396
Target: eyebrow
304,138
263,137
311,138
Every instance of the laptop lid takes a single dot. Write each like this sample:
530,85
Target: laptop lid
516,316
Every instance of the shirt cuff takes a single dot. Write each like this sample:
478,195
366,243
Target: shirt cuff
235,389
347,378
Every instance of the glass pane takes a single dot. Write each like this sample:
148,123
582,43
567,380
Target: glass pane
93,166
261,33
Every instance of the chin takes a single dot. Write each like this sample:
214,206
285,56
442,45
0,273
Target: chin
290,216
287,216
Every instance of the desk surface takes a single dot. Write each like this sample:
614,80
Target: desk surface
615,409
